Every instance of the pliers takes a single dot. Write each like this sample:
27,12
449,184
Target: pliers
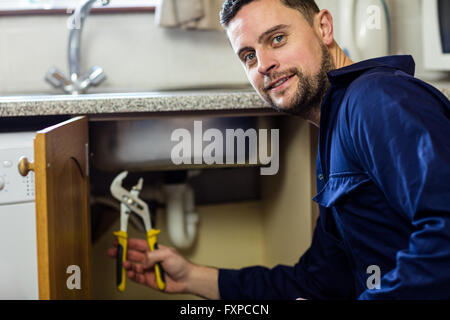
131,203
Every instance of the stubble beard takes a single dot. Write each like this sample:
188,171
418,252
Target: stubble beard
310,91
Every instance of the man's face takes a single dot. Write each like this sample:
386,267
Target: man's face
284,59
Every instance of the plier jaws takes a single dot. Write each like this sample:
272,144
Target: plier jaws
130,202
130,199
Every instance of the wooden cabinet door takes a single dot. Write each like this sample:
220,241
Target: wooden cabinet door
62,210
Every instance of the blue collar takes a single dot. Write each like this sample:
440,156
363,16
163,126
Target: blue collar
404,63
341,78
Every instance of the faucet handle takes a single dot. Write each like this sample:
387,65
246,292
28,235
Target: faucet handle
93,77
56,78
96,75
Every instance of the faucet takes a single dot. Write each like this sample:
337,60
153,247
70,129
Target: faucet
76,83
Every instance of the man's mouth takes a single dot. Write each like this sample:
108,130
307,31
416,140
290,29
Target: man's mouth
278,83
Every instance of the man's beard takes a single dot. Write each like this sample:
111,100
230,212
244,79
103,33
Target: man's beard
310,91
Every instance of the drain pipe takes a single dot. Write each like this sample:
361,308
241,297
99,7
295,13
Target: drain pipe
181,218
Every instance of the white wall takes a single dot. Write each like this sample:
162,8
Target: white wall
135,54
405,31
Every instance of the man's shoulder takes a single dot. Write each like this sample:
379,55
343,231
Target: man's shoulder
380,82
385,90
386,96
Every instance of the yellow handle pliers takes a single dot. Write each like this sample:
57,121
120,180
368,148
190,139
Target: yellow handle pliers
130,202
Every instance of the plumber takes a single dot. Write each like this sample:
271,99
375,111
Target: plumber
383,167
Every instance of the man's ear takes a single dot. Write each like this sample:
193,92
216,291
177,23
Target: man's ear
323,25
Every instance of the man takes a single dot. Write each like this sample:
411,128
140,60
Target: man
383,167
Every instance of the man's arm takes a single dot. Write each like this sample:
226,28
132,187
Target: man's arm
203,282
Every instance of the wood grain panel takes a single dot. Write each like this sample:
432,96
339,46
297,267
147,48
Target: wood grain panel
62,208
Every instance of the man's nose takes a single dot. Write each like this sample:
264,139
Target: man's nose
266,62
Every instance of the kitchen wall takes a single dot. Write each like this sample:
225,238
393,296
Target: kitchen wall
135,54
405,32
138,56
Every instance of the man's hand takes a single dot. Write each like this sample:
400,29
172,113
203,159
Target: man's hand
181,275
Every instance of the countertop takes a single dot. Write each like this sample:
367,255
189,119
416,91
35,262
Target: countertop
123,103
119,103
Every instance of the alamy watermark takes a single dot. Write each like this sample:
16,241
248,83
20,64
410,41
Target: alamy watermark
374,280
74,21
74,280
373,21
235,139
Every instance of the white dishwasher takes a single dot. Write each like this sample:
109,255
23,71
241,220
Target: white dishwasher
18,244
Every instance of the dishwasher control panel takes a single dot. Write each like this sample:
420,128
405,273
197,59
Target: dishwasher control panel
15,188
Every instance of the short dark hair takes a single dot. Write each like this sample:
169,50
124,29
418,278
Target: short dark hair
230,8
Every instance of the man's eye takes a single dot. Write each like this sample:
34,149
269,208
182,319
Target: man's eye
278,39
249,57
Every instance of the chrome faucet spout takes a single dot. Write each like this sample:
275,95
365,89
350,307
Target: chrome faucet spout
78,83
76,24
